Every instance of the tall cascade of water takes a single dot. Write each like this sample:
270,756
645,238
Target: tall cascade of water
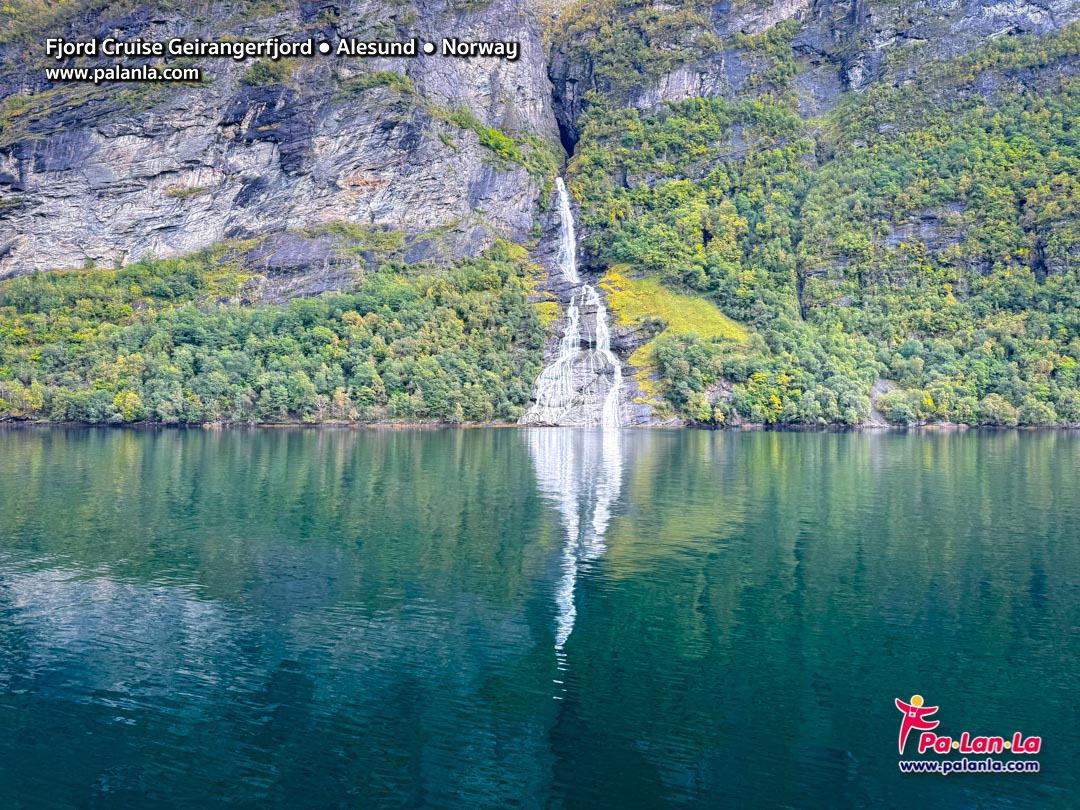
583,384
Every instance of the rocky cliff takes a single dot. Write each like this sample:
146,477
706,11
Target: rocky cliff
839,46
447,153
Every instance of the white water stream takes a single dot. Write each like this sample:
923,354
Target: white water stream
583,384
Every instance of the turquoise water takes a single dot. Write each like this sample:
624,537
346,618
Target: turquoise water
562,618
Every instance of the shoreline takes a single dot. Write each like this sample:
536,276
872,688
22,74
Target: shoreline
21,424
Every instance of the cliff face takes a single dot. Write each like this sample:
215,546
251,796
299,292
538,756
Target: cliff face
872,188
840,46
859,36
114,173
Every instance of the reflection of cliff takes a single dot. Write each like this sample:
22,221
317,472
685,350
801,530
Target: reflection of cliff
233,508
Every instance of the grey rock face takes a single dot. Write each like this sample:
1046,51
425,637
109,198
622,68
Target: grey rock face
114,173
857,35
936,229
842,45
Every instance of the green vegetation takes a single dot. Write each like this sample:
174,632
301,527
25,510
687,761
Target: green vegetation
628,42
677,314
502,145
357,85
921,240
160,341
268,73
527,150
549,312
360,238
25,21
18,112
927,234
258,9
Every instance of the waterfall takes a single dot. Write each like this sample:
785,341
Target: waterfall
583,384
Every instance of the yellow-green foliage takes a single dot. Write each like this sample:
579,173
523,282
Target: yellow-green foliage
363,237
26,20
549,312
17,112
628,41
924,233
152,341
355,85
499,143
632,299
183,192
513,250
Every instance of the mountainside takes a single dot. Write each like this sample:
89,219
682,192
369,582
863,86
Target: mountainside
800,212
897,229
426,147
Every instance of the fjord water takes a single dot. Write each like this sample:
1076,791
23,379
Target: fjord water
560,617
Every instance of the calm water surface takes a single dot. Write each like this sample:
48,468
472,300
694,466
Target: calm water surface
536,618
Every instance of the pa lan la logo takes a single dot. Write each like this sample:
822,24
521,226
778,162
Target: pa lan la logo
917,717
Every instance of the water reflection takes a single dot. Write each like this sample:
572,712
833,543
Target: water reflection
342,618
580,471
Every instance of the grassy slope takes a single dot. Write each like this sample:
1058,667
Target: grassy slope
635,299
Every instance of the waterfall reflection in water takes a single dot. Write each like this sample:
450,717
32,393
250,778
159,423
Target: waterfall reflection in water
580,472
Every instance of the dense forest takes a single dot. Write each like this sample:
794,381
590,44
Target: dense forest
166,341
